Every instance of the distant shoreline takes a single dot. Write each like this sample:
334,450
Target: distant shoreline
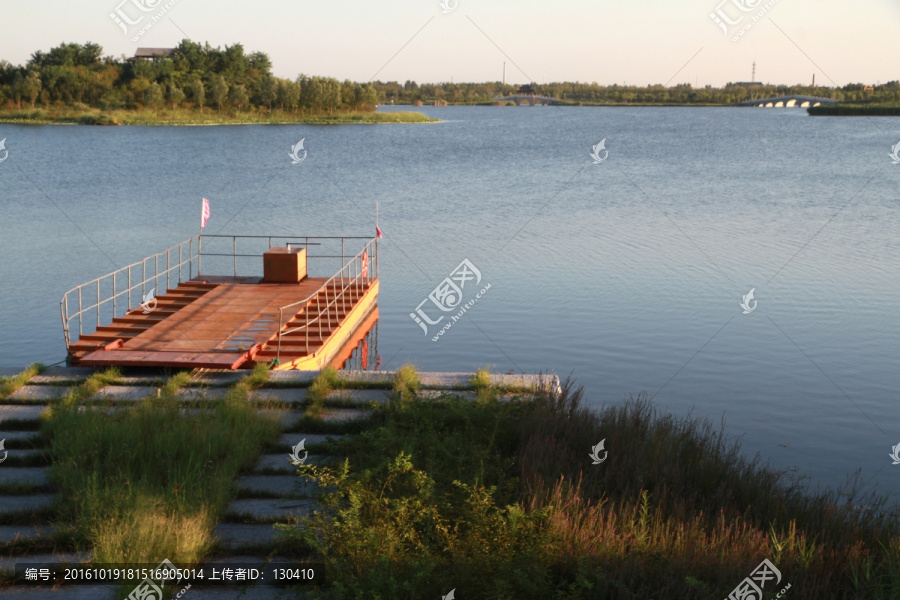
196,119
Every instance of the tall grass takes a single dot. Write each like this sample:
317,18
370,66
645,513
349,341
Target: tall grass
500,500
8,385
147,483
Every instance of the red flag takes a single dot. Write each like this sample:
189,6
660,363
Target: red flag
378,232
204,216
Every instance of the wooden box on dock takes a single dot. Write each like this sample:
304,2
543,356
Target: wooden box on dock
284,265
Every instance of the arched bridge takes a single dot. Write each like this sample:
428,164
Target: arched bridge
531,99
788,102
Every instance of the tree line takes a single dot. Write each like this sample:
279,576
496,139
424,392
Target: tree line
593,93
195,76
200,76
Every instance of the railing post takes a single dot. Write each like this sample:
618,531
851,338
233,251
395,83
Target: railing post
280,325
129,288
168,268
143,278
80,319
180,262
98,303
115,312
199,255
234,253
156,271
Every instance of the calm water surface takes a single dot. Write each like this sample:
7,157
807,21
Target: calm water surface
626,274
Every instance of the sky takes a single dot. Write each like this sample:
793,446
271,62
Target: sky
634,42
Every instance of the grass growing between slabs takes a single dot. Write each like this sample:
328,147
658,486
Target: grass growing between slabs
9,385
500,500
147,483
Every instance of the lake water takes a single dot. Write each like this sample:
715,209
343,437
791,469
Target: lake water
628,274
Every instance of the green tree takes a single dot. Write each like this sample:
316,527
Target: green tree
31,87
268,90
198,92
154,97
218,92
175,95
238,97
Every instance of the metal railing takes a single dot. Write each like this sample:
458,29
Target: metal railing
297,241
354,276
105,294
110,284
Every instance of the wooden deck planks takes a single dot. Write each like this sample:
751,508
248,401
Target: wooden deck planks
226,318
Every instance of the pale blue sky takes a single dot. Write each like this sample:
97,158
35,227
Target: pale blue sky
607,41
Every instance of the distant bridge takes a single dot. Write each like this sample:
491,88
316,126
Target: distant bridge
531,99
788,102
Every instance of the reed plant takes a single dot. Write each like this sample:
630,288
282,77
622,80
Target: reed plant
501,500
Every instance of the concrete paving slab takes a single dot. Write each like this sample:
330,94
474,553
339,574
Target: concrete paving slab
368,377
26,412
207,393
282,462
435,394
286,486
289,440
270,510
19,475
297,377
288,395
59,375
125,393
345,415
218,378
19,436
43,393
238,535
22,533
360,397
24,504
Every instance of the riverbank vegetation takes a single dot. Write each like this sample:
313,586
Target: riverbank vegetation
855,110
198,84
190,84
150,481
499,499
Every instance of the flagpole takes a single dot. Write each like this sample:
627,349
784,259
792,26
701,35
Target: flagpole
200,241
377,231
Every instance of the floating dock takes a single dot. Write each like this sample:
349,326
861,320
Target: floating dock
285,317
